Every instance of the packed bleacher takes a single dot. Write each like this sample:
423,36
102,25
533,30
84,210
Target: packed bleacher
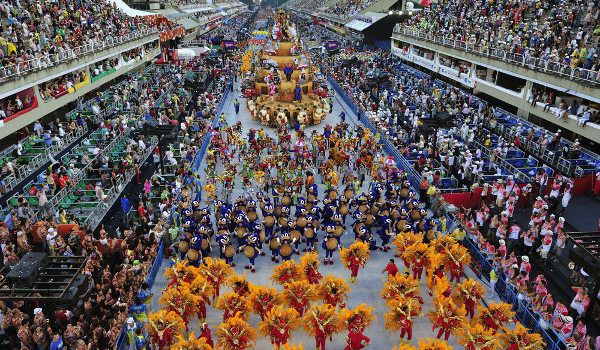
519,166
43,35
60,211
554,36
345,9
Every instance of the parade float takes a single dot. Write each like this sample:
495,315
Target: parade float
281,88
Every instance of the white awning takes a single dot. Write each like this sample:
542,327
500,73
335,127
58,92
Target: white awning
128,10
364,21
188,23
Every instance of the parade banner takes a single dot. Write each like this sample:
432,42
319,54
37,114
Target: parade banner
170,34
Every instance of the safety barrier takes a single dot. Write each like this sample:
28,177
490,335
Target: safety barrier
509,294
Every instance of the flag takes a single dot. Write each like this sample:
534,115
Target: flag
425,2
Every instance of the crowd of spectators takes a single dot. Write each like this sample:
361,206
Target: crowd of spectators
14,104
558,32
493,226
118,263
36,35
347,8
59,86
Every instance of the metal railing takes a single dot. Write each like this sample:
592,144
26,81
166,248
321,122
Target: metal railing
22,68
500,53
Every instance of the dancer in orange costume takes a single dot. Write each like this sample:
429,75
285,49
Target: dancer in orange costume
216,272
333,291
476,337
200,343
354,257
181,301
400,316
298,295
521,339
310,267
181,273
232,305
446,316
202,288
162,326
278,325
321,322
361,317
235,334
468,293
262,299
404,286
495,315
286,272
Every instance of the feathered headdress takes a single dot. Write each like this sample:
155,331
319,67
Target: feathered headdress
358,249
459,254
330,283
405,239
191,343
234,304
297,290
475,336
278,319
499,313
231,333
401,309
169,319
447,309
239,284
468,288
181,271
201,287
323,317
180,300
400,285
286,272
262,298
215,270
521,338
414,252
360,318
309,261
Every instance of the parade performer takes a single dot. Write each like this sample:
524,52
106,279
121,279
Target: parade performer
361,317
329,244
298,295
262,299
286,272
181,273
239,284
468,293
216,272
226,249
354,257
232,305
403,240
321,322
309,263
416,254
459,258
521,339
285,241
297,93
401,286
333,291
235,334
278,325
181,301
495,316
191,343
251,250
355,340
446,316
477,337
202,288
163,326
400,316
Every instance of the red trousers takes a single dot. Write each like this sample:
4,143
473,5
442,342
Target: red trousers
406,331
320,343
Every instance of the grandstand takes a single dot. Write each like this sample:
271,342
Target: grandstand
458,138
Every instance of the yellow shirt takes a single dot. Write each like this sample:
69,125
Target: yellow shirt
459,234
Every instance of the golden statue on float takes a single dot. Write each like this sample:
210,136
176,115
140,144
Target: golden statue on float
283,81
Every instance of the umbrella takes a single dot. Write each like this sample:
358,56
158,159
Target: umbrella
300,143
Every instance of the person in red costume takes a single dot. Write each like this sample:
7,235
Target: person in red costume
417,268
205,333
264,307
300,303
354,265
455,271
322,331
280,334
163,338
313,276
237,338
355,340
335,298
407,323
202,309
446,322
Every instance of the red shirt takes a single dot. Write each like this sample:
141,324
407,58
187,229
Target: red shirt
392,269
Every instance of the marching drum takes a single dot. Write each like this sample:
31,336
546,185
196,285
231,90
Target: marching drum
240,232
401,225
333,194
349,194
184,246
204,244
369,219
192,255
301,222
415,215
283,221
229,251
338,231
274,244
286,200
343,209
309,232
331,243
249,252
295,234
285,250
269,221
252,216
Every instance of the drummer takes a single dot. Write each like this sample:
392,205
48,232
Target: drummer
329,244
251,250
225,244
285,248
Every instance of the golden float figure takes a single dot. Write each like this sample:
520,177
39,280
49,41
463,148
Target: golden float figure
284,80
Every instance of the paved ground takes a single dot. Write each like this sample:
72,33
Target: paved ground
370,279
